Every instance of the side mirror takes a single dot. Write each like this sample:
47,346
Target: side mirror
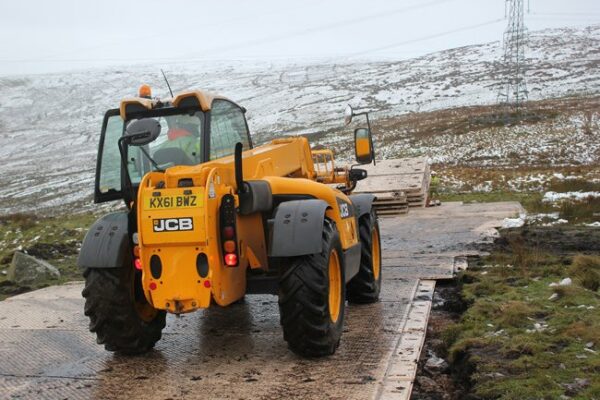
348,114
142,132
363,146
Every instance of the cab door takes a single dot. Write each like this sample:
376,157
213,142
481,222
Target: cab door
228,126
108,186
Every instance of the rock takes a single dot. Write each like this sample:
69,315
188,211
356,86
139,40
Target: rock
571,389
427,384
539,327
583,383
27,270
589,345
553,297
435,365
495,375
566,282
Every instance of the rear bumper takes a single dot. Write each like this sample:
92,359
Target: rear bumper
177,287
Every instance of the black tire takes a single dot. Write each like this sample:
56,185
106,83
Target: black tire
110,303
304,299
365,286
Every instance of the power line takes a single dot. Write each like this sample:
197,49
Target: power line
254,42
436,35
592,20
127,40
590,14
321,28
367,51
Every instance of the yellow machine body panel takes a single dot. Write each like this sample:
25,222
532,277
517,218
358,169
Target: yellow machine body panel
177,224
176,216
345,225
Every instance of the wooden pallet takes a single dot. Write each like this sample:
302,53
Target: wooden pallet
398,184
391,203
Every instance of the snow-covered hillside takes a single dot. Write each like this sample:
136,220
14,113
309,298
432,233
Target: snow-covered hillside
49,124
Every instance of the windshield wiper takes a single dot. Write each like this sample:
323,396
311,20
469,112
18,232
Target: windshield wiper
156,167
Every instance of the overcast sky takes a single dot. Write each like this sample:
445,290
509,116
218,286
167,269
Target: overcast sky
38,36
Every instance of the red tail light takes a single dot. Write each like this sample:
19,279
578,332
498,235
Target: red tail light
138,264
229,246
231,259
228,234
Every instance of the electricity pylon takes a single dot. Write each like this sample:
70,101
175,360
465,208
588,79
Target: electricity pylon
513,91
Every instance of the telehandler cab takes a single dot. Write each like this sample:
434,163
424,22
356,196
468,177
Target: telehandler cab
210,218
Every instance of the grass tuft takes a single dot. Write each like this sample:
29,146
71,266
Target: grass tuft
585,210
586,271
573,185
514,314
24,221
451,334
583,331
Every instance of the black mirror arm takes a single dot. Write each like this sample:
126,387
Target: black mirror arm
128,183
371,138
238,168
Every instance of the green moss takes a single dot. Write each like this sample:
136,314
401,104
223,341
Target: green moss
586,269
576,212
515,313
513,341
451,334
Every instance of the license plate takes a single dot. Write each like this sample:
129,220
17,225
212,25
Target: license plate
177,201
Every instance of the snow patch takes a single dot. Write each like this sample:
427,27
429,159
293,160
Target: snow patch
552,197
514,222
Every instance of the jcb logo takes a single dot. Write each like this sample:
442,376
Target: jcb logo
344,211
172,224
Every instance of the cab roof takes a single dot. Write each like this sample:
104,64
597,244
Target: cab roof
194,98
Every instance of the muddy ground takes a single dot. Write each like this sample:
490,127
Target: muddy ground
439,377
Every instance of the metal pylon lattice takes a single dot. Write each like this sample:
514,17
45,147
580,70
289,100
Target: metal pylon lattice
514,86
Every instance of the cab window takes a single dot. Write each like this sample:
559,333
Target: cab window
109,168
227,127
179,143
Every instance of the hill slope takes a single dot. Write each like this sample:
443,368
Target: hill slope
49,124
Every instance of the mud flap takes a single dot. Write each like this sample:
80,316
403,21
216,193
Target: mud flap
297,228
362,203
106,245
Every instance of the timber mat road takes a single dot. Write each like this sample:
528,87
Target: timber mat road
238,352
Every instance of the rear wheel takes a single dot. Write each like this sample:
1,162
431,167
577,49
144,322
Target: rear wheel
311,298
119,314
366,285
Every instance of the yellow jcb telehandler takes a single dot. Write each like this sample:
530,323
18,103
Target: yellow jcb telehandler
210,218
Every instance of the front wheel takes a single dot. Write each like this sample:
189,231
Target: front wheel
366,285
311,298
